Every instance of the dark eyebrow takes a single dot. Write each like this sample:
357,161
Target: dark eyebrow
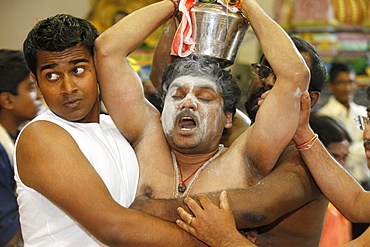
48,66
73,62
80,60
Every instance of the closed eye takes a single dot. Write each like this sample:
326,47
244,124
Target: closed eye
206,95
207,99
178,95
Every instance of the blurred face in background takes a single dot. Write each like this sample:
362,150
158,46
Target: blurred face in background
28,100
340,151
343,87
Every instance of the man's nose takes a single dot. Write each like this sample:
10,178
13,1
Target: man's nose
69,85
189,104
350,87
270,80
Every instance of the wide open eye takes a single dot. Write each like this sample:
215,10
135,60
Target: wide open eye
52,76
78,70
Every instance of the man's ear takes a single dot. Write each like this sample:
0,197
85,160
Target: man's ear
34,80
36,83
314,95
6,100
229,120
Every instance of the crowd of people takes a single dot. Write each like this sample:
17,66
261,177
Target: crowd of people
140,177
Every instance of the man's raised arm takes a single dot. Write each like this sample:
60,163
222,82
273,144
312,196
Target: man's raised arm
121,87
277,118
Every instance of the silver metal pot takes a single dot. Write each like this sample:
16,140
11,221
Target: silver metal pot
217,31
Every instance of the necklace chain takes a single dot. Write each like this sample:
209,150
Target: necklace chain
184,180
180,186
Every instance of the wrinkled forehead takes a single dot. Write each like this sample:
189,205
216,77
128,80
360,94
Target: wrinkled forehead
194,82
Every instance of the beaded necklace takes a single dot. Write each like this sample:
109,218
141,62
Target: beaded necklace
180,186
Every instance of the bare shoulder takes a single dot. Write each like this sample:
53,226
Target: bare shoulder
40,134
43,150
290,162
50,161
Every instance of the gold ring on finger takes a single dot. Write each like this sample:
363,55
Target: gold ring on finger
190,220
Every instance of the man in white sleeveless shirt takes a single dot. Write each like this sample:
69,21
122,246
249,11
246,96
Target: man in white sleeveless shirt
75,172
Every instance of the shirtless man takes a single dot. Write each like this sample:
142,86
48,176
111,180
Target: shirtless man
140,122
201,96
334,180
290,182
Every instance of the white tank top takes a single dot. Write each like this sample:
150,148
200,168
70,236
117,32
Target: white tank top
43,223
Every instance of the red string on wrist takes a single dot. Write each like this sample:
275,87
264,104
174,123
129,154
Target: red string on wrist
307,144
175,7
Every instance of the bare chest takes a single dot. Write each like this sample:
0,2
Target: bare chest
162,179
222,175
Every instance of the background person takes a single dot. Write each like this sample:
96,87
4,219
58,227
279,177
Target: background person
19,103
10,230
340,106
339,186
19,100
342,84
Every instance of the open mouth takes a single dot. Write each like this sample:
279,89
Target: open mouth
187,123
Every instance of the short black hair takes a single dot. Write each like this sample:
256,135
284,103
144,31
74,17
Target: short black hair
56,34
337,68
317,69
13,70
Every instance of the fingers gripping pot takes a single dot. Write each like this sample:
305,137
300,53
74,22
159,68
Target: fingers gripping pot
218,32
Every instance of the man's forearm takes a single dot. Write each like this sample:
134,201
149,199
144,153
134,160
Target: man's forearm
336,183
289,80
162,208
275,42
249,208
162,54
